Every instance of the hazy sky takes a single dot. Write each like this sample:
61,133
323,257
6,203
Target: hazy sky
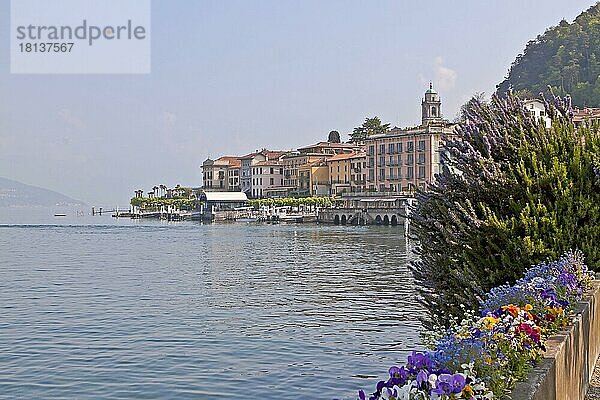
229,77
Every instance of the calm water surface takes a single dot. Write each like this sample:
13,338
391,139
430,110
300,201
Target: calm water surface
93,307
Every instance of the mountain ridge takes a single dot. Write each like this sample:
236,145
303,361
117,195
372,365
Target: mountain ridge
18,194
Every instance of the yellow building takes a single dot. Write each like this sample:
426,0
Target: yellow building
317,152
347,173
314,178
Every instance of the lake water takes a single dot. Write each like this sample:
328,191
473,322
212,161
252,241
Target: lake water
94,307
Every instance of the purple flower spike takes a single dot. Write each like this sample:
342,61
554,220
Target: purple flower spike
422,377
361,395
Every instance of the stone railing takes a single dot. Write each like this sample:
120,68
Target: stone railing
567,367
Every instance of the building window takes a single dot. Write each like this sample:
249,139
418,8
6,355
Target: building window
372,150
371,162
271,171
391,160
410,159
410,147
421,158
371,175
391,148
410,173
399,147
421,172
381,173
382,149
433,111
421,145
381,161
399,173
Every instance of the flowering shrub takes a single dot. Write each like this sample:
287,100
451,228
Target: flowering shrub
483,355
510,194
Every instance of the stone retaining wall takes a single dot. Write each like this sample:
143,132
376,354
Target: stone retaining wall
567,367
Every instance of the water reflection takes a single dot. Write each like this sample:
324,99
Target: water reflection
195,311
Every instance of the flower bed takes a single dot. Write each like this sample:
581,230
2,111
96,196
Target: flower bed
483,356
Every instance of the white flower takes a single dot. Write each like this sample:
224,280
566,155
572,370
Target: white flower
432,379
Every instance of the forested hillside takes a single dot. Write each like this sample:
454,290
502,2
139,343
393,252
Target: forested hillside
566,58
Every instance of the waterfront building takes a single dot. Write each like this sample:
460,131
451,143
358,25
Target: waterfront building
219,201
254,180
314,155
222,174
405,158
313,178
267,175
347,173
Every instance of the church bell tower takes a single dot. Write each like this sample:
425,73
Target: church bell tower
431,107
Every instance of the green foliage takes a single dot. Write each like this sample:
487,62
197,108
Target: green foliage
293,202
566,59
513,194
371,126
181,203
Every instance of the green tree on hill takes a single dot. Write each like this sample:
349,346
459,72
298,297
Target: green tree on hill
564,60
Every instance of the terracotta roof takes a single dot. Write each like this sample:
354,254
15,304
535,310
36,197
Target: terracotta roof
249,155
275,154
586,113
232,161
316,163
270,154
269,162
346,156
330,145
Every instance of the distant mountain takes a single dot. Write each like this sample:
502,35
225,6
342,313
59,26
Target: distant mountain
13,193
566,58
